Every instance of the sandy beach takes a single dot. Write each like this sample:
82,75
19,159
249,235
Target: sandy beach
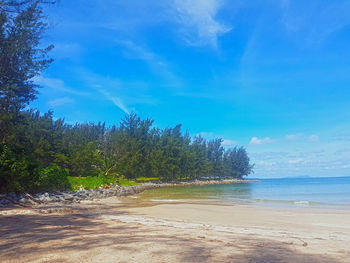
112,230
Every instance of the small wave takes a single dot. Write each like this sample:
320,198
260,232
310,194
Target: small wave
301,202
164,200
148,221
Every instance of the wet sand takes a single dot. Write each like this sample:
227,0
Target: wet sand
111,230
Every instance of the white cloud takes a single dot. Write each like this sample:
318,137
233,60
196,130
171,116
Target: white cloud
119,103
313,138
293,137
257,141
60,101
228,143
298,163
265,163
207,135
302,137
116,100
199,25
225,142
295,161
342,137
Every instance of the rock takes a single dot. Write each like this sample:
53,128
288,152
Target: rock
68,197
47,199
46,194
31,202
53,198
4,202
23,201
12,195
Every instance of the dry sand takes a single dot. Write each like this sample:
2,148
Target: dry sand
111,230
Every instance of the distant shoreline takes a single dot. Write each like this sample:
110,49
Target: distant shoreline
100,193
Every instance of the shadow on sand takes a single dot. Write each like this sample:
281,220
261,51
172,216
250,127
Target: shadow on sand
80,238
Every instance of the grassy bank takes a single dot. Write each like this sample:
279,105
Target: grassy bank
93,182
147,179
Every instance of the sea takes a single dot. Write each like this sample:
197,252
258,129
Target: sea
330,192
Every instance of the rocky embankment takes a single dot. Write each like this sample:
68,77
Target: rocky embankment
100,193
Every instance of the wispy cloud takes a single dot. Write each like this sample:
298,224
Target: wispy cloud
58,85
315,20
106,86
116,101
302,137
295,161
293,137
317,159
228,143
258,141
157,64
225,142
134,51
66,50
60,101
313,138
118,91
342,137
198,20
208,135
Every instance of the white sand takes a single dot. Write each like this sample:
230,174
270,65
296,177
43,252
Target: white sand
110,231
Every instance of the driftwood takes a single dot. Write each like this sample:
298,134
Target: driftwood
11,200
32,198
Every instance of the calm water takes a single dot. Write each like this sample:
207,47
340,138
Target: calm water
334,192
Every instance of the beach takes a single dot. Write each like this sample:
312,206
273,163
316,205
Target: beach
125,230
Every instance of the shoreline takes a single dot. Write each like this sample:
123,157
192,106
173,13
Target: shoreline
11,199
110,230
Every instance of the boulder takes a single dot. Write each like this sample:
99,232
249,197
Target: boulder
23,201
47,199
68,197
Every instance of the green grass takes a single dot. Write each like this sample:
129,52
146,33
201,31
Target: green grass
93,182
147,179
127,182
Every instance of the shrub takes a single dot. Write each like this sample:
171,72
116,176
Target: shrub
53,177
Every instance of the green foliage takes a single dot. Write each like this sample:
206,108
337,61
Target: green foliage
104,154
93,182
53,177
21,58
127,182
14,170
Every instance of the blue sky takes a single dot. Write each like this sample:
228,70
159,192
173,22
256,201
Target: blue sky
270,75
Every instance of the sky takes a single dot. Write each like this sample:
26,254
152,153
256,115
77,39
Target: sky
270,75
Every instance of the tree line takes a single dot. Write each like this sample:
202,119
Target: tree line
37,151
132,149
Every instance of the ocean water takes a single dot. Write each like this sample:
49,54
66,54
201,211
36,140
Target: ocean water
330,192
